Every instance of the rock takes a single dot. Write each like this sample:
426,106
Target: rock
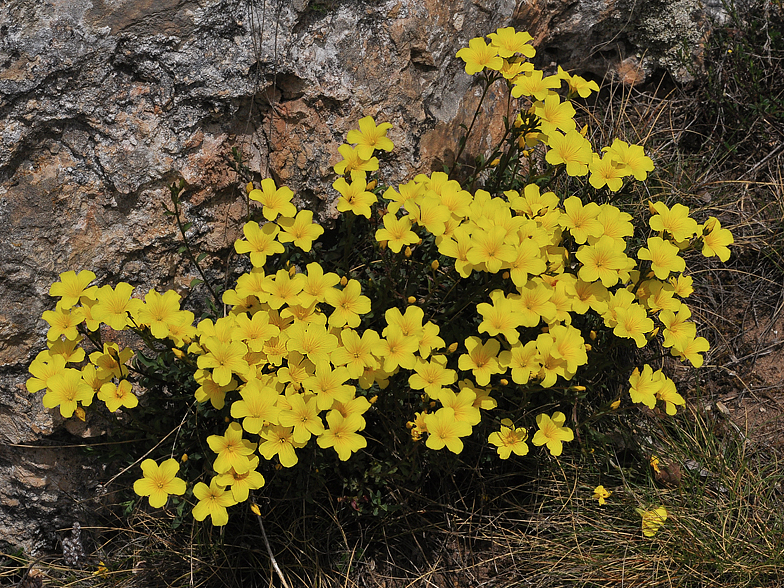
103,104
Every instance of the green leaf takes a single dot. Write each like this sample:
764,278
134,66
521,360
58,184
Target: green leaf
195,282
200,257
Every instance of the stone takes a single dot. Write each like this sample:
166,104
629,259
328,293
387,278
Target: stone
104,103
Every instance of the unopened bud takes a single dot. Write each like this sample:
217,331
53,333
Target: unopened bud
411,299
578,388
504,382
184,458
292,271
382,245
373,400
651,209
178,353
249,187
592,335
343,280
453,347
434,265
495,162
407,252
505,275
371,185
588,347
584,130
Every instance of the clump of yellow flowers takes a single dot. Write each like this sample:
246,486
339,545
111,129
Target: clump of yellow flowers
293,357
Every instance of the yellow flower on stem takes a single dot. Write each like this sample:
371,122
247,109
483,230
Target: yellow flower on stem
242,484
552,432
159,481
631,156
605,171
115,395
509,439
600,494
316,284
348,303
478,55
258,406
370,137
353,162
674,220
534,84
232,450
571,149
645,385
301,230
652,520
341,436
444,430
72,287
275,201
225,359
278,441
158,311
259,241
481,359
356,353
213,501
354,197
65,390
397,232
63,322
303,417
43,367
431,376
114,304
554,114
508,42
111,363
715,240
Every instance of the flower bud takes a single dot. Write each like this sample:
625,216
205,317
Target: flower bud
249,187
184,458
411,299
407,252
452,348
504,382
495,162
592,335
588,347
434,265
505,275
343,280
371,185
382,245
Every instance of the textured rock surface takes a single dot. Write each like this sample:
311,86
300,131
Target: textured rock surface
105,102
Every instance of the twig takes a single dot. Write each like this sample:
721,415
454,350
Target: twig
255,509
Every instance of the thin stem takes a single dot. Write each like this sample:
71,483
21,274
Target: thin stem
488,82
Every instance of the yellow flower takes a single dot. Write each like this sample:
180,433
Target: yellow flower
300,229
63,322
303,417
65,389
431,376
509,439
353,162
534,84
481,359
354,197
242,484
278,441
257,407
571,149
275,201
652,520
508,42
674,220
114,304
72,288
554,114
232,450
213,500
159,481
116,396
341,436
600,494
370,137
158,311
605,171
260,242
715,240
396,232
478,55
632,156
443,430
224,359
552,432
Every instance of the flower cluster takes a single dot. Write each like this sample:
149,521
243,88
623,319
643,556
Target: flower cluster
301,353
